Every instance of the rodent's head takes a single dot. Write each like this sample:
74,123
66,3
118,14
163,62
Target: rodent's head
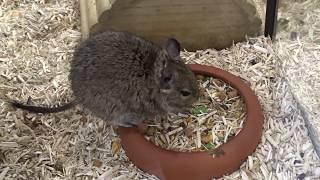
178,85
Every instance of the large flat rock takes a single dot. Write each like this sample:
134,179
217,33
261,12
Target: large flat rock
198,24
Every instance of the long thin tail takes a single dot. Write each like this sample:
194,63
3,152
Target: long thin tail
44,110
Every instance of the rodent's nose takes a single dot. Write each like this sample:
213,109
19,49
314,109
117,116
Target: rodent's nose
185,93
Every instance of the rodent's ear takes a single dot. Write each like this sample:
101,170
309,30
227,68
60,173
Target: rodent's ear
173,47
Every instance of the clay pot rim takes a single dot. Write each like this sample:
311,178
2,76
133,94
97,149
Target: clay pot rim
167,164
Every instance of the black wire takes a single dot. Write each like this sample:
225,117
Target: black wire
271,18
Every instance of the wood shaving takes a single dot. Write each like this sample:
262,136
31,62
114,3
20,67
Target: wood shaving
298,53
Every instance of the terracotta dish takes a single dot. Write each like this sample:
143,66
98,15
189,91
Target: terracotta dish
171,165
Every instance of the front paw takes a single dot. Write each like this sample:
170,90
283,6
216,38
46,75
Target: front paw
127,124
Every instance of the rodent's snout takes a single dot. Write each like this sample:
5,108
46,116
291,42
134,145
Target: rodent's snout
182,104
185,93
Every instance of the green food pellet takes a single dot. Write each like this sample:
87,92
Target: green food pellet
209,145
199,110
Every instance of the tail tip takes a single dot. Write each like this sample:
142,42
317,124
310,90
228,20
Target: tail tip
15,104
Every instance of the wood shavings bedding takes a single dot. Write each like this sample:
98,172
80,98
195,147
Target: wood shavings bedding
217,116
298,51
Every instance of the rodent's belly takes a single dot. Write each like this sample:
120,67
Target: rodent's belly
117,104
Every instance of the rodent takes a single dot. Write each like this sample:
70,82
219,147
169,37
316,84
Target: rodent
125,79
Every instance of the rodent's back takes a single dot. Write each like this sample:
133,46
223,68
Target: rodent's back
112,53
111,69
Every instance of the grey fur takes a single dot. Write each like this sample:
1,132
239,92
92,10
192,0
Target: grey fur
125,79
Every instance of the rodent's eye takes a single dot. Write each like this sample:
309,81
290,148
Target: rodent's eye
185,92
167,79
